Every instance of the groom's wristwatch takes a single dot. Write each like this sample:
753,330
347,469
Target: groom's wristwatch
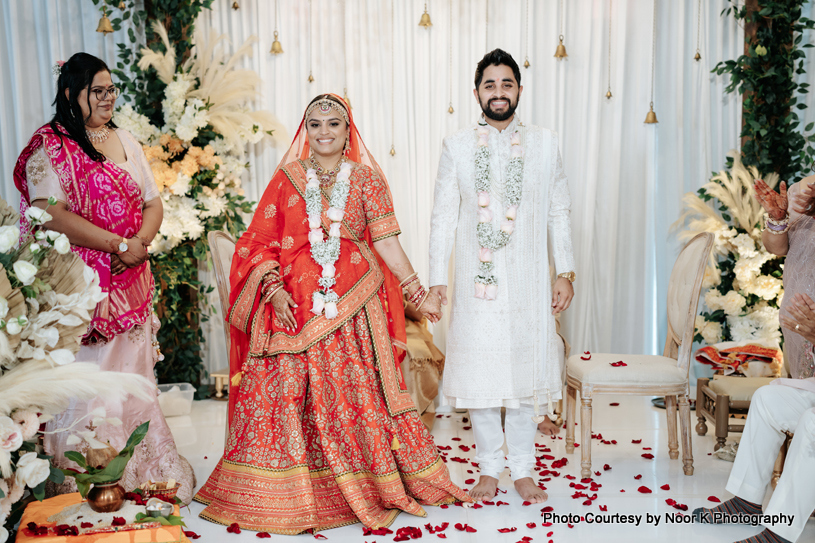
123,247
568,275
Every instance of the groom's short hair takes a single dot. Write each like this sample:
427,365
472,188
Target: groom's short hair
497,57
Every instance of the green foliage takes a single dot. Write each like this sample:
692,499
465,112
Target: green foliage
107,474
765,76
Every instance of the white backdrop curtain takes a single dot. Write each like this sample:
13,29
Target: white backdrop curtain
626,178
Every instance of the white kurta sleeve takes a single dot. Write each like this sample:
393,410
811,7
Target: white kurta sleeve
560,224
443,221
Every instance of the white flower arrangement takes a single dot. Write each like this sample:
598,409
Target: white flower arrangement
47,297
490,240
743,280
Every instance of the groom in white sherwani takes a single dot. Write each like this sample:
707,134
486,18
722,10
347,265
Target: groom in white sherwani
500,188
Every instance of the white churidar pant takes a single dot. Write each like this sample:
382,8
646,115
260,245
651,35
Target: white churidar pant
489,440
773,410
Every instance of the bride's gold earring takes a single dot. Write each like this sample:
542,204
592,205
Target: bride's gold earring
347,149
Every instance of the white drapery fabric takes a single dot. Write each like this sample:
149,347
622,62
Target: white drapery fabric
626,178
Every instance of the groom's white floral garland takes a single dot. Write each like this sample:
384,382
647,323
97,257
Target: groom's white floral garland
326,252
486,284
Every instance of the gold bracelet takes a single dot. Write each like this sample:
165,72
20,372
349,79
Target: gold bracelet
408,280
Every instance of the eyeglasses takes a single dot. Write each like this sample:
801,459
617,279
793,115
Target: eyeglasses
102,94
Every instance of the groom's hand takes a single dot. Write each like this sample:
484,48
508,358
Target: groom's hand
441,292
562,294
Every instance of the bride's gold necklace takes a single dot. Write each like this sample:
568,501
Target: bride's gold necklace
98,136
327,177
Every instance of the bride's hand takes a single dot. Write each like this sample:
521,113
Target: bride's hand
431,307
774,203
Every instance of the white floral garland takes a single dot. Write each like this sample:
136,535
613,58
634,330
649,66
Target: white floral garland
486,284
326,252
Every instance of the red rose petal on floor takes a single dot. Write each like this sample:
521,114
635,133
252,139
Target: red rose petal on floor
507,530
234,528
546,524
604,508
467,428
455,439
320,536
530,525
86,525
443,536
570,525
263,535
487,502
549,534
649,456
618,364
500,503
638,477
118,521
621,490
547,509
526,504
644,490
606,467
635,441
469,481
665,487
444,506
646,448
713,499
191,535
614,404
587,502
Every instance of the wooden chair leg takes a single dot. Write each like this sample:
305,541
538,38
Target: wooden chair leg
779,462
701,426
722,420
585,432
571,400
684,422
670,412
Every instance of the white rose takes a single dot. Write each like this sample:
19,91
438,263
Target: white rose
61,244
712,333
9,236
11,435
28,421
3,307
37,216
34,248
39,234
25,271
3,535
52,235
31,470
733,302
13,327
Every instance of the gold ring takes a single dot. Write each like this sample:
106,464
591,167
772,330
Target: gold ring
797,326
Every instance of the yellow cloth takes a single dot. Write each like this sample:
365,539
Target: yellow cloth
38,512
422,369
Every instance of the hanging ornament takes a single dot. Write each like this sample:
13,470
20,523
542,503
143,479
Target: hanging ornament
276,49
310,71
425,20
345,97
104,25
393,151
526,56
310,78
450,109
236,6
698,56
526,63
608,93
122,5
560,52
651,117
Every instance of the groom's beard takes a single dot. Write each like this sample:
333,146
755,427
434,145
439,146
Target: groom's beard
494,115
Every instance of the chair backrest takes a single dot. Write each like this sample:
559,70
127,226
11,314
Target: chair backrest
222,248
683,297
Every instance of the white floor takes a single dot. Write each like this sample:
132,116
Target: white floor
200,438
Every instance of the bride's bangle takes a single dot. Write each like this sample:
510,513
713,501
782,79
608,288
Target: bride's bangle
426,294
777,227
409,279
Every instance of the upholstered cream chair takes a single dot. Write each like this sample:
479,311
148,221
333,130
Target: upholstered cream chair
647,374
222,247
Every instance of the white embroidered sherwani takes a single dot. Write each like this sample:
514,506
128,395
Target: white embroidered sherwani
500,352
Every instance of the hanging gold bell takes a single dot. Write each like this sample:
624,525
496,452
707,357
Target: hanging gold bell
608,94
697,57
651,117
276,47
560,52
393,151
122,5
345,97
425,20
526,63
310,78
450,109
104,23
236,6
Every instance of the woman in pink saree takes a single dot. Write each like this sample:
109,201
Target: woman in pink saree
109,207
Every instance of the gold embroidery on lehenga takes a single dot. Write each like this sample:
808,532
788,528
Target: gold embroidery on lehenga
37,167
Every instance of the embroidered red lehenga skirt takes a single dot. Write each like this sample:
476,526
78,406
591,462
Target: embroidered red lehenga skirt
324,437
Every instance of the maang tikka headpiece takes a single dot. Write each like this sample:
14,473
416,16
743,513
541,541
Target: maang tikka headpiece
325,106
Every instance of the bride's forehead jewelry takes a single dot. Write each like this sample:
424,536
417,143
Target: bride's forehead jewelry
325,106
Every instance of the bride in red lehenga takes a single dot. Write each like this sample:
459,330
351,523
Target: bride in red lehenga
322,431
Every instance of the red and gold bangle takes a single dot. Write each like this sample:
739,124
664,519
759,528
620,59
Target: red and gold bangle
407,285
418,296
268,298
409,279
426,294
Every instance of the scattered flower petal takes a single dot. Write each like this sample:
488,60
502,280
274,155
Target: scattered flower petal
649,456
618,364
644,490
713,499
665,487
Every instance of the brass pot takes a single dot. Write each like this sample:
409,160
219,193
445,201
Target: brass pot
106,497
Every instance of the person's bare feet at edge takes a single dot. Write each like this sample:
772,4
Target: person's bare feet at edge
529,491
548,428
486,489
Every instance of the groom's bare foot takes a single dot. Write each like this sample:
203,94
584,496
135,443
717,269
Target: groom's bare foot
486,489
529,491
548,428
